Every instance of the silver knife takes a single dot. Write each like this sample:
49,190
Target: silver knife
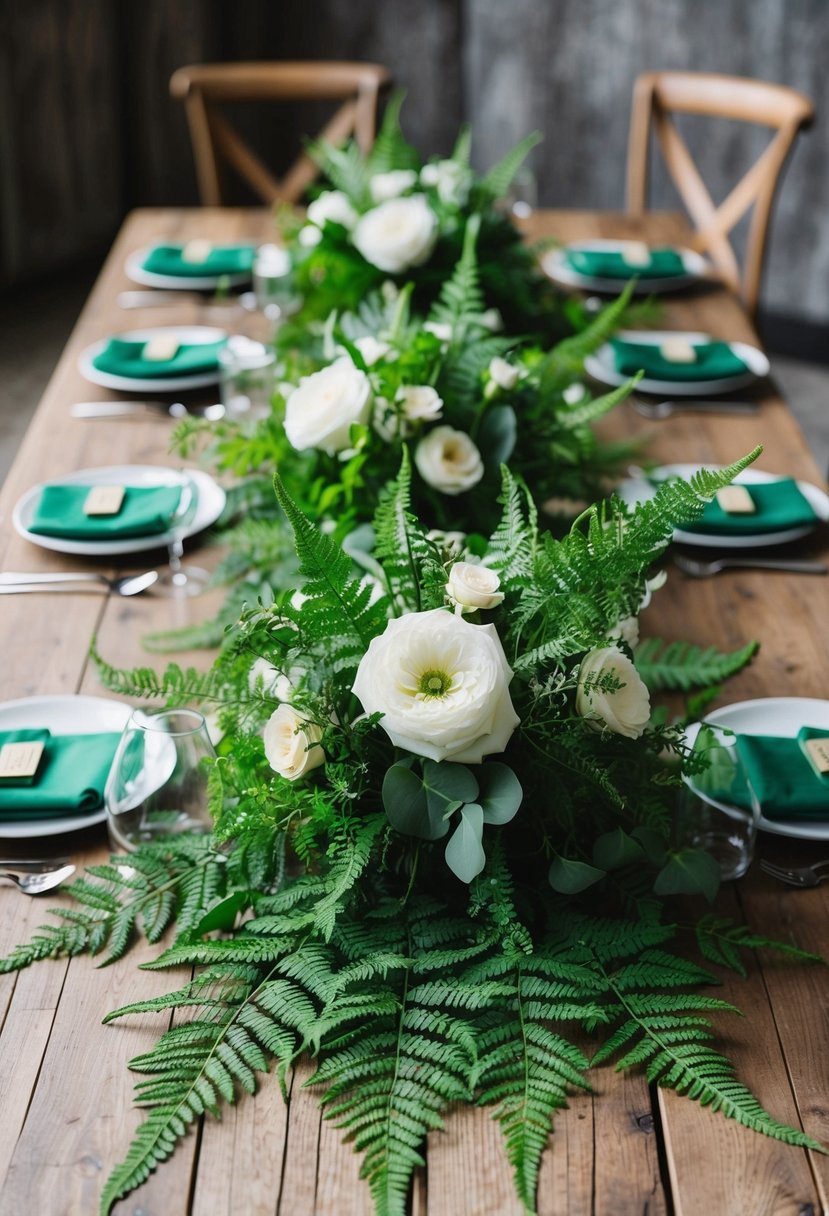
131,409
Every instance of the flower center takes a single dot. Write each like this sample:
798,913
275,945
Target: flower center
434,684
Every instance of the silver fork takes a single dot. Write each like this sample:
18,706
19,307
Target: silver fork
797,876
37,884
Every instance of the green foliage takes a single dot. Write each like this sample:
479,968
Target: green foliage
682,666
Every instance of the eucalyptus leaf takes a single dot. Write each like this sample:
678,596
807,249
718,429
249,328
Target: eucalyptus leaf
653,844
465,854
497,435
447,783
500,793
406,805
689,872
568,877
223,914
615,849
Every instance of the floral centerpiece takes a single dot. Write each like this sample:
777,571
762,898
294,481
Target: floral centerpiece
442,846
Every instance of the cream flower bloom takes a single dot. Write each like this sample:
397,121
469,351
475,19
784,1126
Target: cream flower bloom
372,349
472,586
449,179
398,234
384,186
332,205
448,460
442,685
503,374
292,743
419,402
321,411
309,236
625,711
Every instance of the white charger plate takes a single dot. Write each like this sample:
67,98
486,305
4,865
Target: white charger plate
783,716
639,489
191,334
211,501
63,715
601,366
554,264
134,268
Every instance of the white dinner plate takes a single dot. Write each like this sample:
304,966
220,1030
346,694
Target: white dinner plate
209,506
63,715
783,716
194,334
601,366
554,263
204,282
639,488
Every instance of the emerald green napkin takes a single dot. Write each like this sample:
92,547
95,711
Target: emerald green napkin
145,511
222,259
786,785
70,779
714,361
609,264
22,736
779,505
121,357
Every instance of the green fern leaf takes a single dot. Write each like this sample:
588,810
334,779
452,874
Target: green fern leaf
683,666
497,181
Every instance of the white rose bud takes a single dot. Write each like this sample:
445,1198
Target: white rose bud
321,411
332,205
398,234
442,685
574,393
292,743
472,587
419,402
384,186
503,374
448,178
625,711
492,320
309,236
372,349
448,460
440,329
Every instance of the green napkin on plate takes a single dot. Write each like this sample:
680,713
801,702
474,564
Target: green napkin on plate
609,264
786,785
222,259
145,511
121,357
22,736
714,361
778,506
70,780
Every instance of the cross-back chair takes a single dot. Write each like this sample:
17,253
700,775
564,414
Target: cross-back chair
216,143
656,96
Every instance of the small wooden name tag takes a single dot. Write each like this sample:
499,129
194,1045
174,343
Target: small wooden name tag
197,251
19,761
817,753
636,253
104,500
677,350
161,348
735,500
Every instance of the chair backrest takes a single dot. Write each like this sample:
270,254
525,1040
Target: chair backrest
203,87
655,96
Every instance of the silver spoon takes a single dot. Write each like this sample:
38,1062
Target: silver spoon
13,582
703,569
130,409
36,884
664,409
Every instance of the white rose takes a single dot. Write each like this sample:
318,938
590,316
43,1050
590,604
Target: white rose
419,402
574,393
273,683
504,374
320,412
448,460
472,586
442,685
332,205
627,630
309,236
625,711
372,349
384,186
448,178
292,743
398,234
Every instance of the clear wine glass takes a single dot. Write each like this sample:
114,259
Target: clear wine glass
717,809
180,579
157,786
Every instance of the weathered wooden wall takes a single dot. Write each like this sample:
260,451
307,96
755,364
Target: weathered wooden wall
87,128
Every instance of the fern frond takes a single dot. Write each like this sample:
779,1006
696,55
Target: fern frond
390,150
411,563
721,941
461,296
497,181
683,666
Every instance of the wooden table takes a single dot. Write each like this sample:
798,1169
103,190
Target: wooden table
65,1092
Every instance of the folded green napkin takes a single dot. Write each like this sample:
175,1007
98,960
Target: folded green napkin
222,259
714,361
145,511
609,264
786,785
779,505
71,777
126,358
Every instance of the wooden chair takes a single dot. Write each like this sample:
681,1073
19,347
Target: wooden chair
655,96
203,87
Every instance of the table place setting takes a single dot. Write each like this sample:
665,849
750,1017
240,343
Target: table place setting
171,358
197,264
682,363
606,265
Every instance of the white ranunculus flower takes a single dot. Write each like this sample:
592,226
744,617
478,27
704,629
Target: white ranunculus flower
398,234
309,236
384,186
320,412
472,587
332,205
442,685
503,374
448,460
292,743
372,349
625,711
419,402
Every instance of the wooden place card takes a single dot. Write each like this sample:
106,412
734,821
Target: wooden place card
104,500
636,253
161,349
735,500
678,350
816,752
19,761
197,251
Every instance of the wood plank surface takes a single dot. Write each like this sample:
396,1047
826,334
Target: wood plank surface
64,1089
